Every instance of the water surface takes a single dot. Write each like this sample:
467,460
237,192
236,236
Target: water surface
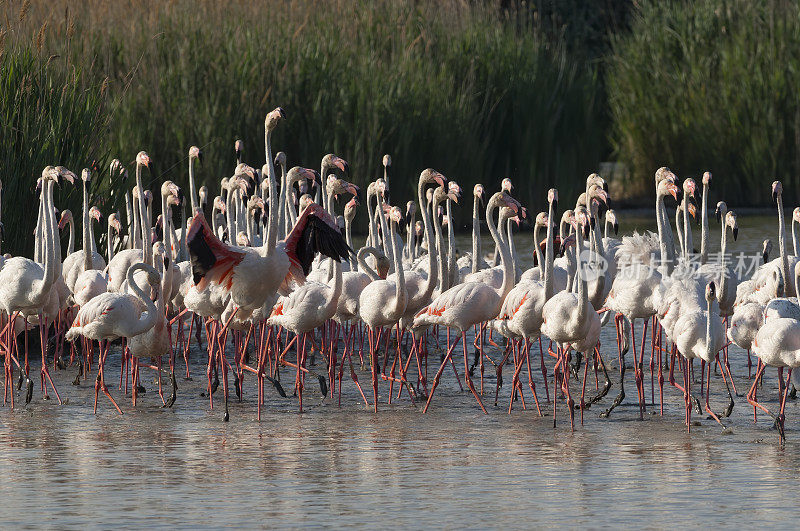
347,466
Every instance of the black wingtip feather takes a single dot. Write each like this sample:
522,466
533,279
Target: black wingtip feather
319,237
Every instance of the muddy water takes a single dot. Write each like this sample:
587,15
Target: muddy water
62,466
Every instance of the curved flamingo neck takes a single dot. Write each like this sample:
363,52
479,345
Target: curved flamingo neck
505,255
537,230
362,262
71,242
148,318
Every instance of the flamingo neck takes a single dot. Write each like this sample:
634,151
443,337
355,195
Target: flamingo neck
505,255
400,280
348,234
87,230
451,246
537,251
476,233
362,262
548,250
665,237
109,243
192,191
782,247
147,250
723,268
433,272
704,227
687,230
439,247
148,318
71,242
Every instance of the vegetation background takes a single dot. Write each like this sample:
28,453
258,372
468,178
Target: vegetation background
541,91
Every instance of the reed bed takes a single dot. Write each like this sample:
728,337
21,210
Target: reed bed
472,90
710,85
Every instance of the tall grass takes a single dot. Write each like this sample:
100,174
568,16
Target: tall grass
711,85
47,117
471,90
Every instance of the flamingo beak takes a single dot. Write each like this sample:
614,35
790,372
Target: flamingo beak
765,256
616,228
342,165
735,233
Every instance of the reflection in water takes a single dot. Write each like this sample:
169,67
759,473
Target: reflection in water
454,466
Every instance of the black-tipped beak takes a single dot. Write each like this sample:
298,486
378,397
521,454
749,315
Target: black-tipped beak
775,196
586,231
765,256
616,228
735,233
555,205
282,112
605,186
200,157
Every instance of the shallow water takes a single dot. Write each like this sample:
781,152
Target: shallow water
452,467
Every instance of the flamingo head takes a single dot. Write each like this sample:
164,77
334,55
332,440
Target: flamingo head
238,148
711,291
706,178
395,214
273,118
796,215
431,176
306,201
611,217
668,187
689,187
330,161
777,190
113,221
506,185
65,218
195,153
59,173
143,159
418,228
280,160
664,173
766,249
730,221
95,214
541,219
387,161
552,197
302,174
595,179
219,204
203,194
720,211
411,209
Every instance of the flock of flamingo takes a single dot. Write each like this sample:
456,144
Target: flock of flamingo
275,274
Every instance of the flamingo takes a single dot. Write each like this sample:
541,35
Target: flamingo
701,334
471,303
25,285
113,315
383,302
87,258
569,318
